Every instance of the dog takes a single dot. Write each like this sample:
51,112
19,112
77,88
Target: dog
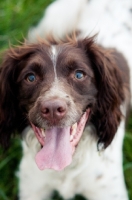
74,96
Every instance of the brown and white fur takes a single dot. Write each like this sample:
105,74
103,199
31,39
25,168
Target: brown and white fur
75,95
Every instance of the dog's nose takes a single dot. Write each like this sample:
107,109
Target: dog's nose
53,110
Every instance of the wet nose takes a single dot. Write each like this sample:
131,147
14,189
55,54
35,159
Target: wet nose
53,110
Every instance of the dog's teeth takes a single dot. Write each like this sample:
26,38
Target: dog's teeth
43,133
71,138
74,128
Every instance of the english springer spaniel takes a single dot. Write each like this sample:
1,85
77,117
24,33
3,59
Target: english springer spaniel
74,94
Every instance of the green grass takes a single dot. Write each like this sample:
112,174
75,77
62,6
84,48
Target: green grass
16,17
128,157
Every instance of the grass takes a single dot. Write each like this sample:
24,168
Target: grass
127,149
16,17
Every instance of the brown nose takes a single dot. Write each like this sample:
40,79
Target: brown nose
53,110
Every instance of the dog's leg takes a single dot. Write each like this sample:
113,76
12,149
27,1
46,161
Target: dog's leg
104,176
108,189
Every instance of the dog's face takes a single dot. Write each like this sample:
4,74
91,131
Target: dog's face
58,89
56,86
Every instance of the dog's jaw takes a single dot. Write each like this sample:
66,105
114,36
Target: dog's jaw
58,144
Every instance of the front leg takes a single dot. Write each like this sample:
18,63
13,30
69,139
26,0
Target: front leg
107,189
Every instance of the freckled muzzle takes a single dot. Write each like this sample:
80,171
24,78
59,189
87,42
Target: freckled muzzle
58,123
58,144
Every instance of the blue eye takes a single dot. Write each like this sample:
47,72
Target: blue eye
31,78
79,74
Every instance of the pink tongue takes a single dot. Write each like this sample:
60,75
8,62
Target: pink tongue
57,151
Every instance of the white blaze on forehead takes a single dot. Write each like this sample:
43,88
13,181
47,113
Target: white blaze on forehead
54,55
57,90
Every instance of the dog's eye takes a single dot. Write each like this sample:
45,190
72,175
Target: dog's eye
79,75
31,78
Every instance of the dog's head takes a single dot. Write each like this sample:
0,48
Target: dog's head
57,89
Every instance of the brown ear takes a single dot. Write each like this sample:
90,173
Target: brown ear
11,118
107,114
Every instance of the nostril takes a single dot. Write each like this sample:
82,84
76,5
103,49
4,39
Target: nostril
45,111
61,109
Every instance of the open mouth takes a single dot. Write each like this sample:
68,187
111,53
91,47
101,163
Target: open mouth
58,144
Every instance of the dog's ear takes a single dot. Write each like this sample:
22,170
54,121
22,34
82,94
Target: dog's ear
107,114
10,115
8,98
